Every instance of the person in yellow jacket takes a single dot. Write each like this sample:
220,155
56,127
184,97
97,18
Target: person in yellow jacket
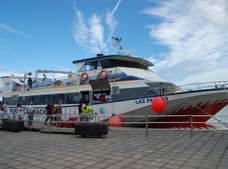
70,75
87,111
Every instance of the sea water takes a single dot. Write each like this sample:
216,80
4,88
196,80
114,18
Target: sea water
223,112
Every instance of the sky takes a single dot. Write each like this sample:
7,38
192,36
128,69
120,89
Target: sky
186,40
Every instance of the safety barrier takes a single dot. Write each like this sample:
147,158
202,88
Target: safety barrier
62,120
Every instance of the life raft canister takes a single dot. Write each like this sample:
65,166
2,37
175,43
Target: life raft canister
82,76
100,74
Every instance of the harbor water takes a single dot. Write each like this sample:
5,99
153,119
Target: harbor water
223,112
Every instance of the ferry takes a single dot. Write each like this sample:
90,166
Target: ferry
130,86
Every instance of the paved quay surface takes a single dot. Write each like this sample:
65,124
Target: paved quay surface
129,149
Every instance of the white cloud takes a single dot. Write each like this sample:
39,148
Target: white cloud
110,20
196,34
10,29
80,30
96,32
217,75
91,34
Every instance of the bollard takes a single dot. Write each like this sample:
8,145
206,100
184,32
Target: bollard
146,126
191,125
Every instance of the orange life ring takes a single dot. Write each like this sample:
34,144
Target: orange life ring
100,74
84,79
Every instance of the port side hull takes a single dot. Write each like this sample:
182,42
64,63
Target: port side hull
207,102
202,102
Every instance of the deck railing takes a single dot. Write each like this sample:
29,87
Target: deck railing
204,86
164,90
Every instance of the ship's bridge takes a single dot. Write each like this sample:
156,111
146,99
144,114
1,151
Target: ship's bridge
111,61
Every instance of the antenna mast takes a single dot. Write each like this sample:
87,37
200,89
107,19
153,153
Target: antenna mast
117,45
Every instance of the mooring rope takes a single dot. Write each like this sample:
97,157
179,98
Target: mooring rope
224,124
225,91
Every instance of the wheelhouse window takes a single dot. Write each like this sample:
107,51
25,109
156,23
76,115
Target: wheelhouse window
88,66
72,98
109,63
104,64
124,63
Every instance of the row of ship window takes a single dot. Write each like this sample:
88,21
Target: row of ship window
110,63
69,98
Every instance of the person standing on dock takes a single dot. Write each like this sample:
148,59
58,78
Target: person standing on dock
80,110
5,110
30,113
87,110
19,110
59,110
49,112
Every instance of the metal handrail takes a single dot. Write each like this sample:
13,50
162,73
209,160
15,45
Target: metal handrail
107,117
207,85
164,90
146,122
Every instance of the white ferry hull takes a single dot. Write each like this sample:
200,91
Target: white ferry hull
195,103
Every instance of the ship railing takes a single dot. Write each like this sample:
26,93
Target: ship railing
50,121
163,90
53,79
204,86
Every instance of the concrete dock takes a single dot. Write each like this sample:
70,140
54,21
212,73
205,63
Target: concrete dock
121,148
